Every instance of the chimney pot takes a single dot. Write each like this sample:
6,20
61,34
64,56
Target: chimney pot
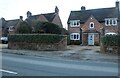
21,17
83,8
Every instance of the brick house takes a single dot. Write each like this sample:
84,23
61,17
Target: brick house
87,26
10,26
48,17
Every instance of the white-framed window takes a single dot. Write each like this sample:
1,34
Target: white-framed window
110,21
74,36
91,25
11,28
111,33
75,23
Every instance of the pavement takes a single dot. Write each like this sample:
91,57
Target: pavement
73,52
3,46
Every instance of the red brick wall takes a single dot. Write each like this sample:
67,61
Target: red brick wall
97,25
110,28
42,19
96,39
74,29
57,21
85,39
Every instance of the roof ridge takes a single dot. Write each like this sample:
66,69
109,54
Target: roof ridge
50,13
100,14
43,14
94,9
12,20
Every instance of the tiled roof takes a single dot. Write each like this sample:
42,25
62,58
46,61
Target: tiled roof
99,14
48,16
11,22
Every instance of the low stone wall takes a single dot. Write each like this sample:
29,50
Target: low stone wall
62,45
109,49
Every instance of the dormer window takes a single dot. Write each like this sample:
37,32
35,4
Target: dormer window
91,25
11,28
75,23
111,21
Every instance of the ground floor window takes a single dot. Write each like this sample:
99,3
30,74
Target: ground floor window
74,36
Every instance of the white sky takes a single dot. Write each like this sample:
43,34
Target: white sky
12,9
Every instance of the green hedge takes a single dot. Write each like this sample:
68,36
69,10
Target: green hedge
35,38
111,40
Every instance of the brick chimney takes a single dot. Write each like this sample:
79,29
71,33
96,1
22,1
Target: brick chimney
118,4
83,8
56,10
29,14
21,17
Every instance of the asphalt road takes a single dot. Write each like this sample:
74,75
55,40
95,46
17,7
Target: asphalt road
22,65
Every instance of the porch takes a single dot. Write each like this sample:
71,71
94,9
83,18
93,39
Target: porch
91,37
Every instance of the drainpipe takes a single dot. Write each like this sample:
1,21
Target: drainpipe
82,38
118,26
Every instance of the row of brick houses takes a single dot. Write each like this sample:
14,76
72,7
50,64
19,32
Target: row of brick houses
87,26
10,26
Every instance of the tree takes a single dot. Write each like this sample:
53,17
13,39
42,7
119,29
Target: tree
37,27
47,27
64,31
24,28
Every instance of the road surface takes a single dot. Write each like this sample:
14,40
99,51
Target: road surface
22,65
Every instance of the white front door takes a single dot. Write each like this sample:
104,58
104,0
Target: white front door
91,39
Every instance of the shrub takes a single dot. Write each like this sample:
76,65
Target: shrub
35,38
64,31
111,40
47,27
68,40
24,27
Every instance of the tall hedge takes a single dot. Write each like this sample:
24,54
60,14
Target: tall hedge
111,40
35,38
47,27
24,27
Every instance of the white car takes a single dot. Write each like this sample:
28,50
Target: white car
4,40
111,33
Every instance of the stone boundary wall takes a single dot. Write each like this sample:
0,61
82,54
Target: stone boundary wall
62,45
109,49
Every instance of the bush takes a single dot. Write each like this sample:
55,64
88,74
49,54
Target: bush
111,40
68,40
47,27
24,27
35,38
64,31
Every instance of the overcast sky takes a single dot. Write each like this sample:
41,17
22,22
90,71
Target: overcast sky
12,9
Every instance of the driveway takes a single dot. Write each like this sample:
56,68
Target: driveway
91,53
73,52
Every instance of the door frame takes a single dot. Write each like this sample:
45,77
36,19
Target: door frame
89,41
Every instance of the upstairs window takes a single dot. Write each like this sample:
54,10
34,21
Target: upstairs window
75,23
114,22
91,25
111,21
11,28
